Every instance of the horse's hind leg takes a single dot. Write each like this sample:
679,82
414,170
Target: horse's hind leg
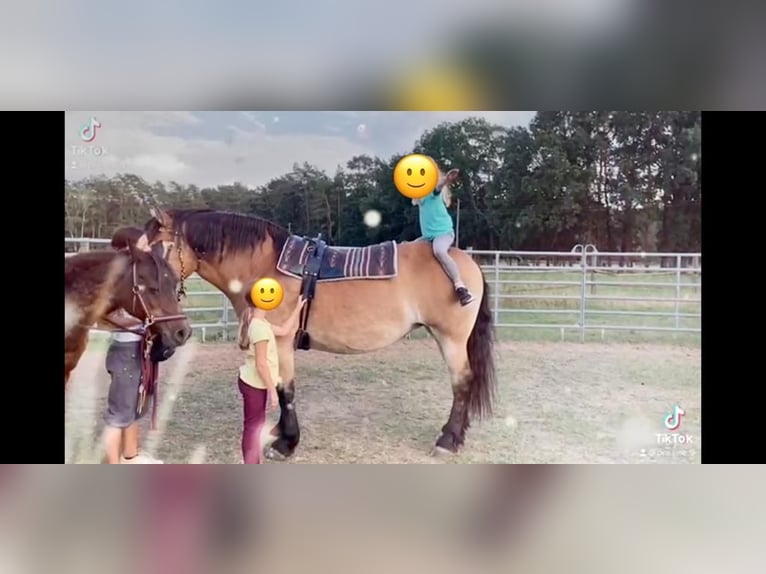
287,431
455,354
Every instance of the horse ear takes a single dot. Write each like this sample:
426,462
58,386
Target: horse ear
125,237
142,243
452,175
161,216
140,256
134,251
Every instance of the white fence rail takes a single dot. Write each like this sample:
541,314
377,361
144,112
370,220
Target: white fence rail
582,291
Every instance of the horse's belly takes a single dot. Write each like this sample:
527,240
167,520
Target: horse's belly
357,326
360,339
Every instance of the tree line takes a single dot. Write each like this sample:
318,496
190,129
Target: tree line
622,181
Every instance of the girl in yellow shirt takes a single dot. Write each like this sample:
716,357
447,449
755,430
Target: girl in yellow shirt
259,375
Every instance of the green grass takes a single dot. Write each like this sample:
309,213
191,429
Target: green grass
511,309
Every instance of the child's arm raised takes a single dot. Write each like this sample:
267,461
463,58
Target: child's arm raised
287,327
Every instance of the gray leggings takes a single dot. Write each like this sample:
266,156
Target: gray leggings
441,247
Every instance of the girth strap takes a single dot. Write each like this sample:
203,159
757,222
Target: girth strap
308,290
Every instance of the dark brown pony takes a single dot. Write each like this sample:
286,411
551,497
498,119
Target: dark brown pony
140,282
347,316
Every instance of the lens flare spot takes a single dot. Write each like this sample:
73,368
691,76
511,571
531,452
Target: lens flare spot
372,218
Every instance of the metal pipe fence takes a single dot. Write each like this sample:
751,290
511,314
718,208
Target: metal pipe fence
581,291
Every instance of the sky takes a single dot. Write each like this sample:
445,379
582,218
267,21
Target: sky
223,147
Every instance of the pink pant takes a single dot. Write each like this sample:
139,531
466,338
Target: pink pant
254,401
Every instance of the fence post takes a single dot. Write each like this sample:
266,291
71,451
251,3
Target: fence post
84,246
225,318
678,289
497,286
583,292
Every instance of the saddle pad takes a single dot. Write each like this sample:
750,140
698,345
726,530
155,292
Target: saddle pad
378,261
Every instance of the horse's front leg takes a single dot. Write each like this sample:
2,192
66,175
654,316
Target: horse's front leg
287,431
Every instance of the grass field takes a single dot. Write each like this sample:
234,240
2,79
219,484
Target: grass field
557,403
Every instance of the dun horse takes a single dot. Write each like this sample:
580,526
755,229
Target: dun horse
360,300
100,282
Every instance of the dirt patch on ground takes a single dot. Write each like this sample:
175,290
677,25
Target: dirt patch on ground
557,403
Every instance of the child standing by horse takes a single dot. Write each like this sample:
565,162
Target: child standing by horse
259,375
436,227
124,364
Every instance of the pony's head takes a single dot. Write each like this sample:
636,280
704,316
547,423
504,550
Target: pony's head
148,289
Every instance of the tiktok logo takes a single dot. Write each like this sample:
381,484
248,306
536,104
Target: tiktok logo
670,440
88,131
673,419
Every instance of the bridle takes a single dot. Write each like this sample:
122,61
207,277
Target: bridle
149,318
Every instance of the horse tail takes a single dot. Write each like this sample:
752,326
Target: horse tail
481,358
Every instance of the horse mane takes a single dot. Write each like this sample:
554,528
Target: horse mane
209,232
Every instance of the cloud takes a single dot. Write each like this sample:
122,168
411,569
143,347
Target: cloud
217,148
166,164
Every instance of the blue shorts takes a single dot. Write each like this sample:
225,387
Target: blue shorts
123,363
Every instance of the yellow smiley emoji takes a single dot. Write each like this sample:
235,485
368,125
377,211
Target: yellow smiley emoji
416,175
267,294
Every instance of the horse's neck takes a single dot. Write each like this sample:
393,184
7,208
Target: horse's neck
233,274
94,287
98,302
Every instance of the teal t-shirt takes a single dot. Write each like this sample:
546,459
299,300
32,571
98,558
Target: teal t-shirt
435,220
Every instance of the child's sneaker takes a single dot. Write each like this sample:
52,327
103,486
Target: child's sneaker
464,295
140,459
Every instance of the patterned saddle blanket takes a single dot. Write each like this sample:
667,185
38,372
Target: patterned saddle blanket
378,261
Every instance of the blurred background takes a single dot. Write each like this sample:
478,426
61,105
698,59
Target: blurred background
484,54
658,519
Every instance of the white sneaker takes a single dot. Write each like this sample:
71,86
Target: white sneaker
140,459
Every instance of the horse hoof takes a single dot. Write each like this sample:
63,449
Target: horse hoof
275,455
441,452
